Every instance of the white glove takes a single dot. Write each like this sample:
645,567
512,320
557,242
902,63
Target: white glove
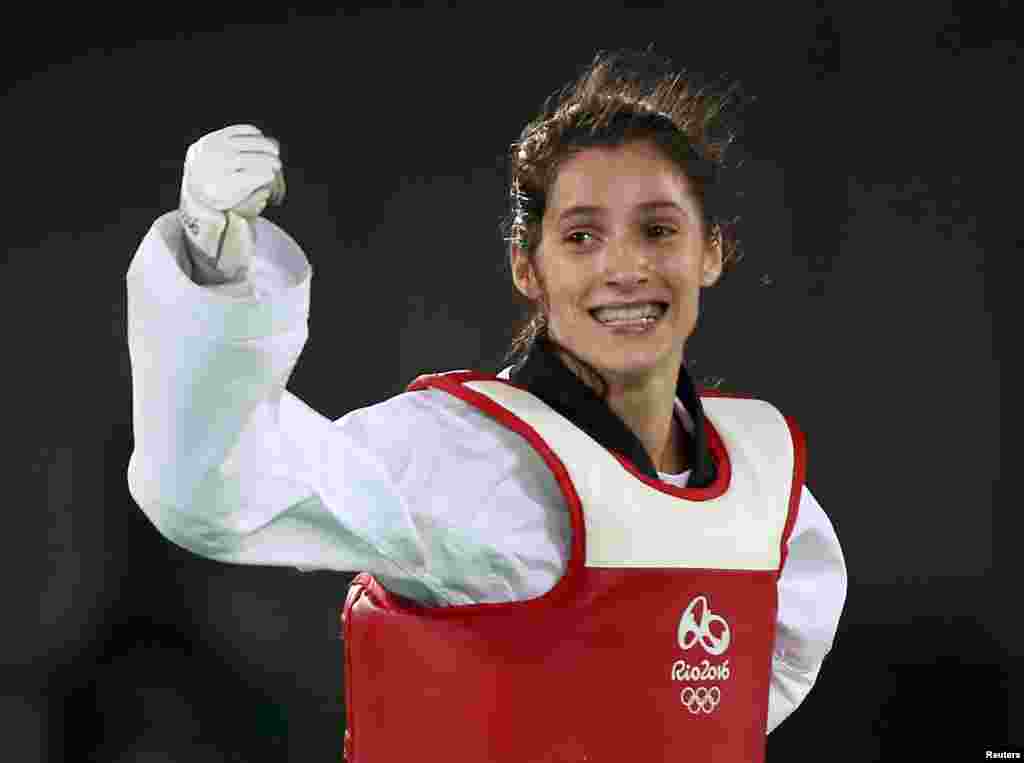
229,176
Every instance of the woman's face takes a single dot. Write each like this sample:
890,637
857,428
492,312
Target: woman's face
623,250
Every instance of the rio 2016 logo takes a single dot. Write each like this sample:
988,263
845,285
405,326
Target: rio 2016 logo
695,626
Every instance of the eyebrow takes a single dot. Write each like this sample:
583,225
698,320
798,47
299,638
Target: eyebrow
581,210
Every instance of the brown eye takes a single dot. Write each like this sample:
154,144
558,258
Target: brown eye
667,231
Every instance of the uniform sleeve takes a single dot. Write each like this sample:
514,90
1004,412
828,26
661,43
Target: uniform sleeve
812,593
228,463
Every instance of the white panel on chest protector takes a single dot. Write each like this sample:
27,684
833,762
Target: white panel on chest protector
630,524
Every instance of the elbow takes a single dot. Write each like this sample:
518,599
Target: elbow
187,530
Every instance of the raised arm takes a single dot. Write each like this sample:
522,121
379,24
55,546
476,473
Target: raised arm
228,463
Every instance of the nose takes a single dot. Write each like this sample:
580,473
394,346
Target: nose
626,265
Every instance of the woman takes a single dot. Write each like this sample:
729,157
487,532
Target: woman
580,558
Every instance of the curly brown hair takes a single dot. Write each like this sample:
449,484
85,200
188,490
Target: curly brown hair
623,96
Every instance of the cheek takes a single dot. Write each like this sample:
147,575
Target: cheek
686,280
566,308
564,288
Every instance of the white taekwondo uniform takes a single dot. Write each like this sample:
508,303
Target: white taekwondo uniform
417,490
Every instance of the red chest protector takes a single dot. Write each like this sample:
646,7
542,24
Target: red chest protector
654,646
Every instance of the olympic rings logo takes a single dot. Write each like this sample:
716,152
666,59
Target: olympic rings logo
690,631
701,699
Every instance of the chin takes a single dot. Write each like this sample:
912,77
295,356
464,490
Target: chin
633,364
627,358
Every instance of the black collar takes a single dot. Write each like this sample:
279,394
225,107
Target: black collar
545,375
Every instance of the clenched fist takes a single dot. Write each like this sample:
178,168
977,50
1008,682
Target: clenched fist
229,176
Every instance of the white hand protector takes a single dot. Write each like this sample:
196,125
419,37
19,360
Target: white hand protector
229,176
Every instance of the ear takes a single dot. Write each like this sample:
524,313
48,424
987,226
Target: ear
712,263
523,275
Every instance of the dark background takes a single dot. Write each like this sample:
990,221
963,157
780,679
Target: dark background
877,155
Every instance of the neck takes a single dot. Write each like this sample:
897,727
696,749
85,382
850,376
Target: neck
648,409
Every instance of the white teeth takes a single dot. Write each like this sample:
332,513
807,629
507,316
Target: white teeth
631,313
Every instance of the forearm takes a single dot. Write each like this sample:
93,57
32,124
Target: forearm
204,368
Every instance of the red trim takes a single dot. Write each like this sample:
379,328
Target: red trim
354,592
796,491
723,478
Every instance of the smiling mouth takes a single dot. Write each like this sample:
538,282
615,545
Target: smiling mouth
632,322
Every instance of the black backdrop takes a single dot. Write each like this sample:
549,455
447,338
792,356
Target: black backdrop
865,308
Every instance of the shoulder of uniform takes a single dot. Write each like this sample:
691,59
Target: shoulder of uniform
443,379
709,396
